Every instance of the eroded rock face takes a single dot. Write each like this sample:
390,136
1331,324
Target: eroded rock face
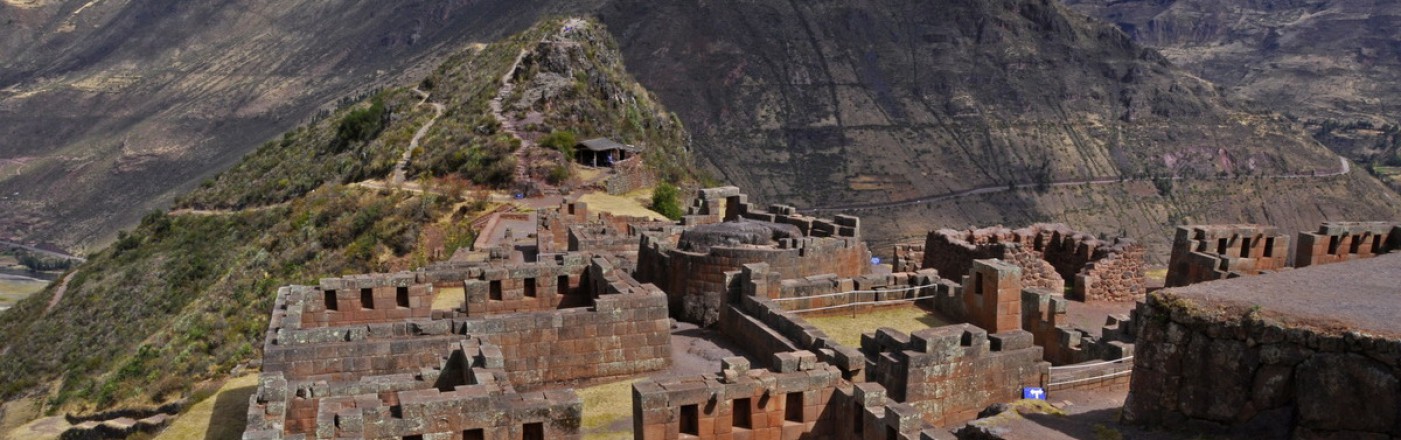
1204,365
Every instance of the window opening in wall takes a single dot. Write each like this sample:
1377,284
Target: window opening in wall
401,296
495,290
742,413
1245,248
530,287
331,300
367,299
1376,244
413,437
474,434
793,411
690,419
978,283
1357,241
563,288
1221,245
1269,247
891,433
533,431
1333,243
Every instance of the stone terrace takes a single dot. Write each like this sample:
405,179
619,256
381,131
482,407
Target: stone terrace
1312,352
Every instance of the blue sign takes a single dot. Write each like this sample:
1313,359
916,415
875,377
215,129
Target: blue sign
875,261
520,196
1033,393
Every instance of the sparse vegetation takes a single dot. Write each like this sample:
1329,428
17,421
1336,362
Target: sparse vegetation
666,201
183,299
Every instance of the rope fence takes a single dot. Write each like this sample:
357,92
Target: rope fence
1107,376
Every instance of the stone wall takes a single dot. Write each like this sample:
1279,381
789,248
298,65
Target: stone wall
953,372
1044,316
1216,252
549,284
629,176
1115,275
799,398
466,396
908,257
363,299
1237,369
1336,242
626,331
1051,256
992,294
695,282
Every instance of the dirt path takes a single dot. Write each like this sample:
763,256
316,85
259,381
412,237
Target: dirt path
508,86
992,189
400,168
212,212
58,293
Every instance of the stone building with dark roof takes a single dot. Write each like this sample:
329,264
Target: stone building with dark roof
603,152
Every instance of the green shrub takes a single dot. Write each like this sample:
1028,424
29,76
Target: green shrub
558,174
666,201
361,124
562,141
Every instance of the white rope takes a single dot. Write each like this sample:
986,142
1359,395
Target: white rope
1121,373
1077,366
907,289
859,304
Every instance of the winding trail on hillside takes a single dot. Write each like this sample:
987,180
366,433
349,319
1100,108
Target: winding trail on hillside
213,212
993,189
401,167
58,292
508,86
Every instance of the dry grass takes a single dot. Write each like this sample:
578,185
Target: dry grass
447,298
604,406
1157,274
847,330
221,416
630,204
13,290
22,422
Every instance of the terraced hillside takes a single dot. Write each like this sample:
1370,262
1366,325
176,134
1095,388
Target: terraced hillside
833,104
1331,64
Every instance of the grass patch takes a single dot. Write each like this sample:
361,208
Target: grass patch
447,298
213,418
13,290
630,204
604,406
1156,274
847,330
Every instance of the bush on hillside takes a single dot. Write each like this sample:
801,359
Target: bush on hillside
666,201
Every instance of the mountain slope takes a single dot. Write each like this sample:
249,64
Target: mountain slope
111,108
185,295
1333,64
829,103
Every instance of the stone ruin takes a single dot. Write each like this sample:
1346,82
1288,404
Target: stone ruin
367,357
725,232
1308,353
1336,242
1051,256
580,295
1217,252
